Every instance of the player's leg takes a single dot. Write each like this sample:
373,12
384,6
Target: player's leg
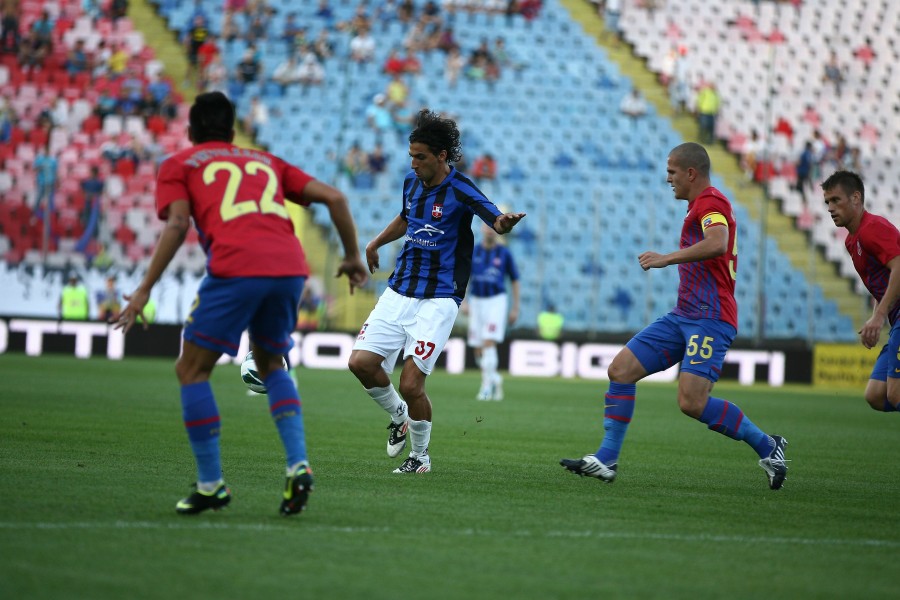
270,339
883,389
426,338
497,312
372,359
475,339
657,347
707,342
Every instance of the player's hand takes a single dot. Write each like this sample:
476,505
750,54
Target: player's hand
355,271
513,315
871,330
135,307
652,260
505,222
372,257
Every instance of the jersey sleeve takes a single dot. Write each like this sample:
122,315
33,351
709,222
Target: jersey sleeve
511,268
171,186
294,181
881,240
712,213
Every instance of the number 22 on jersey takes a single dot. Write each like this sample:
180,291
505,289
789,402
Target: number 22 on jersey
231,207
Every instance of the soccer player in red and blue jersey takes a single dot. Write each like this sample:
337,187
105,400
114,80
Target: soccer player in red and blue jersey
697,333
874,245
415,314
256,270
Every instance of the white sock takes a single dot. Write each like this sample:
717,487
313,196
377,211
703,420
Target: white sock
488,365
419,437
208,487
388,399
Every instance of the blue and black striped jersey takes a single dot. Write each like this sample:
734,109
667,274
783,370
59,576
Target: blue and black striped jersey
490,266
436,259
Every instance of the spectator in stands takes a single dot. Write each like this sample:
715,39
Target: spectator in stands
207,51
216,75
118,61
873,243
193,38
865,54
834,73
60,112
258,30
74,303
386,13
397,91
291,30
109,300
503,57
362,47
416,39
680,84
406,12
257,116
310,71
708,103
100,60
446,40
325,12
453,67
46,170
285,72
9,26
394,63
376,160
229,30
355,161
31,53
118,9
484,168
751,153
323,46
633,105
378,115
92,188
804,170
249,68
612,11
78,60
42,32
412,64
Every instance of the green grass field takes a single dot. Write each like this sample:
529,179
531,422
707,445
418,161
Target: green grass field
93,458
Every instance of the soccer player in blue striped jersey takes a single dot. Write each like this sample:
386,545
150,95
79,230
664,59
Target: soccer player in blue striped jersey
874,245
416,312
489,309
697,333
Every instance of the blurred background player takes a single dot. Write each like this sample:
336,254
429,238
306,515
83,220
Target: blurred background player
489,308
416,312
697,333
874,245
256,272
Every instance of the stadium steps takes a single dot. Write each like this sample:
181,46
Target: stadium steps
348,311
792,242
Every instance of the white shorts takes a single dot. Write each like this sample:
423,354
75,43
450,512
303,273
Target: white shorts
419,327
487,319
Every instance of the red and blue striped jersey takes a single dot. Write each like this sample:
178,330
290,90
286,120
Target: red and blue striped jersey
706,288
436,259
873,246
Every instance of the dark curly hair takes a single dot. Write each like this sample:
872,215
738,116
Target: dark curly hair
211,118
437,133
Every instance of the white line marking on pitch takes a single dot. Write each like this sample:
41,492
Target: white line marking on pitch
522,533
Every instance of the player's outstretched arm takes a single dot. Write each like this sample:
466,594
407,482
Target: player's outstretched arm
714,243
394,231
173,234
504,223
339,211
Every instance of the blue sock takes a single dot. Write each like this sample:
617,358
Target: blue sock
284,405
201,420
617,415
888,407
728,419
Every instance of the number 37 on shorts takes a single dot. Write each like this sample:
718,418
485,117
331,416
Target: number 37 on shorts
424,350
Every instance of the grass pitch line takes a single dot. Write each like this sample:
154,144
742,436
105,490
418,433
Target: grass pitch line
187,525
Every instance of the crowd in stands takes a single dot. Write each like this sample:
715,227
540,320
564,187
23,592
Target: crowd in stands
85,117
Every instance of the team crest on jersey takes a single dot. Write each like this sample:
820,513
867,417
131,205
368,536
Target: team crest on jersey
497,262
362,332
437,211
707,222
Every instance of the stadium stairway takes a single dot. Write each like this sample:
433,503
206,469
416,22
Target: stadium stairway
795,244
347,311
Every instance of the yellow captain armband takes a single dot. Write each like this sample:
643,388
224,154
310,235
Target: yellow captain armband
713,218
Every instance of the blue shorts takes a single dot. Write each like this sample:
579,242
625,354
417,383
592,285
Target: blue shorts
225,307
888,363
699,344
